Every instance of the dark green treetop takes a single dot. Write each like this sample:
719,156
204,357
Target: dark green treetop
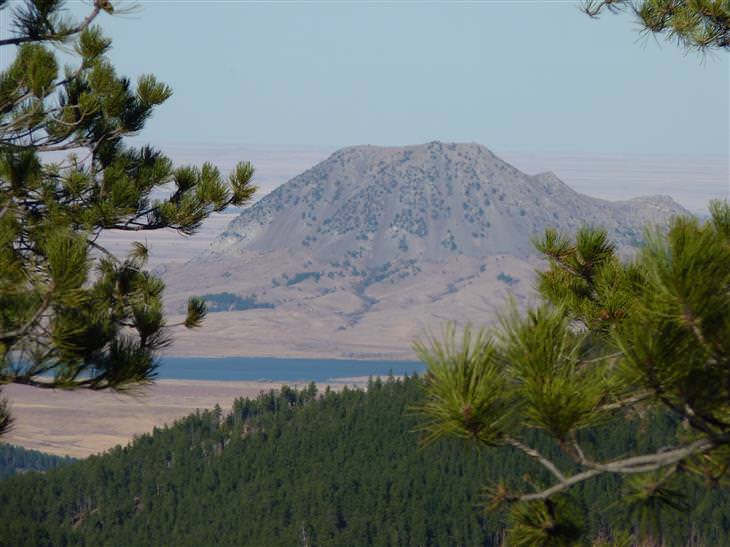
73,315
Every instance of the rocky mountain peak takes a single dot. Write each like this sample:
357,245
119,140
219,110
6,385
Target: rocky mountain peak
425,202
359,254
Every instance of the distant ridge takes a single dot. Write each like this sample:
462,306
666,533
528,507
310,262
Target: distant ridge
374,244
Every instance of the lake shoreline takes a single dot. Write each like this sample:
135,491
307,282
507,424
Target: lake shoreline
280,369
82,423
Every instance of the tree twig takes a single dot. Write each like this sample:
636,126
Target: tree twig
50,37
535,455
633,465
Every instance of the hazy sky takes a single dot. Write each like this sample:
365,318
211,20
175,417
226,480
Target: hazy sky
536,76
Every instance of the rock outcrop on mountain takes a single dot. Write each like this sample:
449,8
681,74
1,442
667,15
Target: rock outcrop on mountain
365,250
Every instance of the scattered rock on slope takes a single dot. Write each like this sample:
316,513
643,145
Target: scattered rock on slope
368,248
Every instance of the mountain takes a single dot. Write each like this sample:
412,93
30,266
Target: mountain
425,202
372,246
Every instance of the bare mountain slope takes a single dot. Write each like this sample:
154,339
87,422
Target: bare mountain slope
368,248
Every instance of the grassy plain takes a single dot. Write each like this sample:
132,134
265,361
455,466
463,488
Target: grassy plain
82,423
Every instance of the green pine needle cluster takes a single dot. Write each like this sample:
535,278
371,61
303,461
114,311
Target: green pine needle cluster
73,315
699,25
549,523
467,396
612,339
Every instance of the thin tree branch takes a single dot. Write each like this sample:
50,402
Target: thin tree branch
633,465
577,453
101,248
28,324
572,481
629,401
535,455
50,37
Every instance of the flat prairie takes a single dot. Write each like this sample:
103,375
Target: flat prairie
82,423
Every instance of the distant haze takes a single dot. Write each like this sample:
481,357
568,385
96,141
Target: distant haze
691,180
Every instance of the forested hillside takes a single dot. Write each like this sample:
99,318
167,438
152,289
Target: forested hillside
16,459
298,468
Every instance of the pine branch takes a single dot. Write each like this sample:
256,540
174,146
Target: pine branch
84,24
632,465
627,402
535,455
577,452
30,322
104,250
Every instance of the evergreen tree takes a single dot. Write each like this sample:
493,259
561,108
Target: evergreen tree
294,468
612,340
73,315
694,24
16,459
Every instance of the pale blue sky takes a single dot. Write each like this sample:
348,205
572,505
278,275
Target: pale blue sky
531,76
526,76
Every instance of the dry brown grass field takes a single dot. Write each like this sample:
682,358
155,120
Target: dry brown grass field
82,423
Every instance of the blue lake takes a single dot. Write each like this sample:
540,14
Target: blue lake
287,370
